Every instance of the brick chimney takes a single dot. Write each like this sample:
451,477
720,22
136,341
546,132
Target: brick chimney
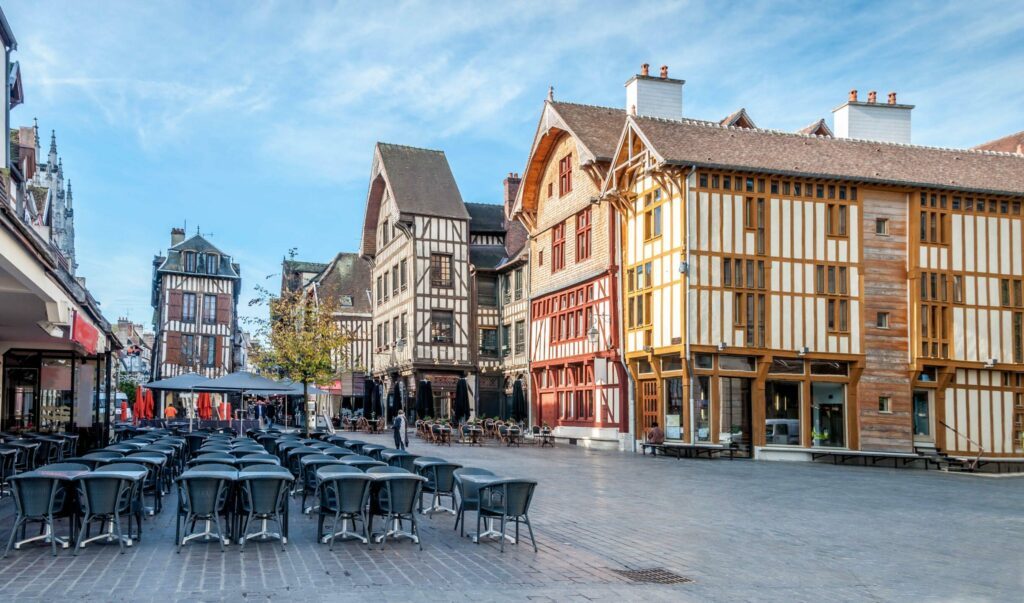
177,236
853,95
892,98
872,97
664,72
645,69
511,187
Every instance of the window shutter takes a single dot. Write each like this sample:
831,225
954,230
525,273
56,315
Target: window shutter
174,305
218,351
173,347
223,309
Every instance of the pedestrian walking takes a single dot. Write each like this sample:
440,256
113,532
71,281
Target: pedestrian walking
399,428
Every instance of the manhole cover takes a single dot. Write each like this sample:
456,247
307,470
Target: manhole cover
653,575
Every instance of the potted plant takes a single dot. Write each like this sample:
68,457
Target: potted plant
819,437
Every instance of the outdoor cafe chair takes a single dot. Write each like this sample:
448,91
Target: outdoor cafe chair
337,452
283,448
469,495
104,498
212,457
201,497
138,508
512,504
258,459
355,446
362,462
245,451
320,445
101,457
264,498
8,463
307,475
26,461
122,448
344,492
154,481
69,446
405,461
396,500
440,483
36,497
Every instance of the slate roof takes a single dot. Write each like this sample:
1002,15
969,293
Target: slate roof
597,128
421,181
1007,144
348,274
486,218
174,262
687,142
487,257
292,271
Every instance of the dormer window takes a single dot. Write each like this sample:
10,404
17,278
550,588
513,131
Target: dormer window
212,263
190,261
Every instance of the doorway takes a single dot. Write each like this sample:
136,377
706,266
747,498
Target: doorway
924,432
650,409
735,424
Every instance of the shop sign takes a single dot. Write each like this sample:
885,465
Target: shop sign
85,334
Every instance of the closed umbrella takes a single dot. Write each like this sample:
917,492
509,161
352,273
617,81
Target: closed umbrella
518,401
424,399
461,409
147,397
203,406
368,389
377,407
124,411
396,399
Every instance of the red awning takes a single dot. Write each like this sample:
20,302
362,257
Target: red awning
85,334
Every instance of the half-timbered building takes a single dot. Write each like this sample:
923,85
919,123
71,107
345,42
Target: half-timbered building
416,238
792,292
514,300
578,384
195,303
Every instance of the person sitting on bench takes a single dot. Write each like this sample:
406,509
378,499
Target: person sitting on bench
655,435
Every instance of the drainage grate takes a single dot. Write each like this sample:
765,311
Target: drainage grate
653,575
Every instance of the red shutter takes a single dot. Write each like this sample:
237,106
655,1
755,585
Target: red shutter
174,305
223,309
173,348
218,351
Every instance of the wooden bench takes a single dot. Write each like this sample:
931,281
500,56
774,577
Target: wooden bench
840,457
680,450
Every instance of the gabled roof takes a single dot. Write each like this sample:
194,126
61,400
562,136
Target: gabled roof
175,261
738,119
346,275
818,128
1014,143
486,218
292,271
688,142
487,257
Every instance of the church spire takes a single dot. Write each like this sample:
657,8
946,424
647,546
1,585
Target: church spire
53,149
69,195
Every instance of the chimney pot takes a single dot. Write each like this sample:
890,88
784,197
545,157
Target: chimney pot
853,95
892,98
645,69
872,96
664,71
177,236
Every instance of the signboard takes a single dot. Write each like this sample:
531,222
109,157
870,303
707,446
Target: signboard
442,381
84,334
672,428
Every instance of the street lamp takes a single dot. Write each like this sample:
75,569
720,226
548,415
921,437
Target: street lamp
593,334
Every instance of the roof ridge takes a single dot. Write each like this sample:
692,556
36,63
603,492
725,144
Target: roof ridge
711,124
407,146
482,203
558,102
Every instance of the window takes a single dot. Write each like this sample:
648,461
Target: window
209,351
565,175
441,326
558,247
884,405
882,226
487,290
385,233
188,307
760,227
520,334
488,342
837,220
583,235
380,290
1011,292
519,283
506,340
440,270
387,289
188,350
401,275
212,263
882,320
958,289
405,329
394,330
933,228
652,215
210,309
540,257
394,280
190,261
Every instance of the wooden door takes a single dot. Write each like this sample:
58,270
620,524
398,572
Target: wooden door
548,409
650,405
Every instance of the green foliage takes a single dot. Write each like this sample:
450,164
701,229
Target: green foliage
127,388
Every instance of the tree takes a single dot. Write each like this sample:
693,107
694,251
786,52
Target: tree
127,387
299,339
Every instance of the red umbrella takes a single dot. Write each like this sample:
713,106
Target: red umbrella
147,400
203,406
124,411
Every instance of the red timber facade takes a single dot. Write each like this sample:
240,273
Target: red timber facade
578,382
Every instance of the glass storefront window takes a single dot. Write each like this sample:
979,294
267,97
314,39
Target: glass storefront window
828,403
55,394
737,363
782,413
674,408
703,361
20,398
702,409
671,364
735,424
829,367
787,366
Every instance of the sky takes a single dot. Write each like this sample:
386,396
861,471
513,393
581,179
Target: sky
254,122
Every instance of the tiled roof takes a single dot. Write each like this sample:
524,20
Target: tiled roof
686,142
292,271
739,118
421,181
597,128
347,275
175,261
486,257
818,128
486,218
1014,143
301,266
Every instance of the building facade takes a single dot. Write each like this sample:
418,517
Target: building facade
195,309
578,382
514,301
135,359
791,292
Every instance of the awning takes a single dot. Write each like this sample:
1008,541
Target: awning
181,383
245,382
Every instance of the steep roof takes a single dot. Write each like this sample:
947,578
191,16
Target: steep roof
175,261
739,118
292,271
487,257
596,128
686,142
347,276
421,181
486,218
1014,143
818,128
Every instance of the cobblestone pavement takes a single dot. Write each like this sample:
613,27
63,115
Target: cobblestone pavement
740,530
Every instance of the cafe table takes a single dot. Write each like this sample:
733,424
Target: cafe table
64,474
158,462
479,482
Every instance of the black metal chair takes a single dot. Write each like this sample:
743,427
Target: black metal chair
469,495
258,459
507,499
35,499
264,498
344,492
213,457
310,464
396,501
104,498
200,498
440,482
8,462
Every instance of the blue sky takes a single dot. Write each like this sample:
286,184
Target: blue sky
255,121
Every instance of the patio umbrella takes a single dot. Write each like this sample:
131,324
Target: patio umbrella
181,383
377,405
396,399
461,409
203,407
150,403
518,401
224,410
124,411
424,399
368,388
243,382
